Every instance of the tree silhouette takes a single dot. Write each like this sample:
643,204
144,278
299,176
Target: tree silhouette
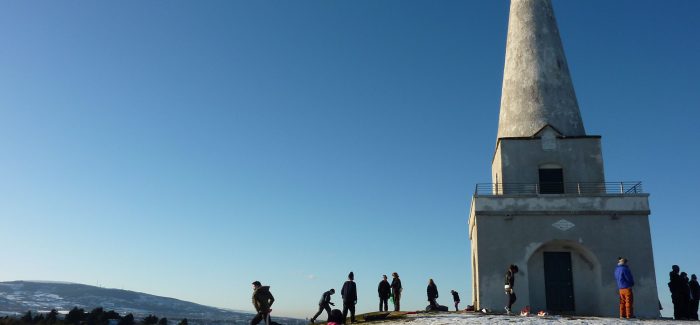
163,321
39,318
112,315
51,317
96,317
127,320
183,322
75,316
151,319
27,318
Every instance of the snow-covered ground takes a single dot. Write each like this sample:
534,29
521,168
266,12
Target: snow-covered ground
445,319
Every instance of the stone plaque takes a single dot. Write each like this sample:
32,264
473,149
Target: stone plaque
563,225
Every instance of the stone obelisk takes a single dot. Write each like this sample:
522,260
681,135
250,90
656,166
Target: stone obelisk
537,86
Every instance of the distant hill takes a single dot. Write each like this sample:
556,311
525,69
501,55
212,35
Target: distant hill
20,296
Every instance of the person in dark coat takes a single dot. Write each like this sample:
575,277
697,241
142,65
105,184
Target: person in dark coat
685,294
349,293
396,290
694,296
262,301
432,294
324,304
675,285
384,291
455,297
336,318
509,287
625,282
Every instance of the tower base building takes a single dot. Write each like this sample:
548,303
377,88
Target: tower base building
549,209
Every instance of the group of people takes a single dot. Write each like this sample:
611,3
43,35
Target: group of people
349,297
685,294
385,291
263,299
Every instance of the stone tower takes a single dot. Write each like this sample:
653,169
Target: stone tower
549,209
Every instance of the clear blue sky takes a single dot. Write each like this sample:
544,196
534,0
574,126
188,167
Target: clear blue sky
187,148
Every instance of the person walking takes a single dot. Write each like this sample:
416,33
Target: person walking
625,282
324,304
509,287
675,284
384,291
349,294
432,294
455,297
262,301
396,290
694,297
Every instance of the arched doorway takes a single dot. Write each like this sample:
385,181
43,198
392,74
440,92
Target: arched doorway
564,277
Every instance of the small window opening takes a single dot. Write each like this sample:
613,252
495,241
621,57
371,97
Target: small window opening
551,181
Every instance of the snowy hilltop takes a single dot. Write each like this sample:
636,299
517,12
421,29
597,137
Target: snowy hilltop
478,318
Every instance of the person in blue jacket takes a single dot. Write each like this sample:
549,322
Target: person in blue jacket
625,282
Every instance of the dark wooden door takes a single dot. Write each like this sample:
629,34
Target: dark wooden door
551,181
558,281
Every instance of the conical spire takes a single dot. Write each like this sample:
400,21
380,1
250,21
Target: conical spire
537,87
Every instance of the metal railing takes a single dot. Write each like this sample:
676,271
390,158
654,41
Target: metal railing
581,188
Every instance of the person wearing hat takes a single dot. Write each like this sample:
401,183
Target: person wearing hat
262,301
349,294
396,290
324,304
625,282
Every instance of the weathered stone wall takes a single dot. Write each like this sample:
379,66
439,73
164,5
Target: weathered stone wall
596,230
518,160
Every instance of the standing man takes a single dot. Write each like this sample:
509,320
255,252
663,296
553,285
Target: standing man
432,292
694,297
685,294
675,285
455,297
396,290
262,301
625,282
509,285
324,304
384,290
349,293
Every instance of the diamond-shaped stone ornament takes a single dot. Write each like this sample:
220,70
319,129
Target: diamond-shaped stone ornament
563,225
